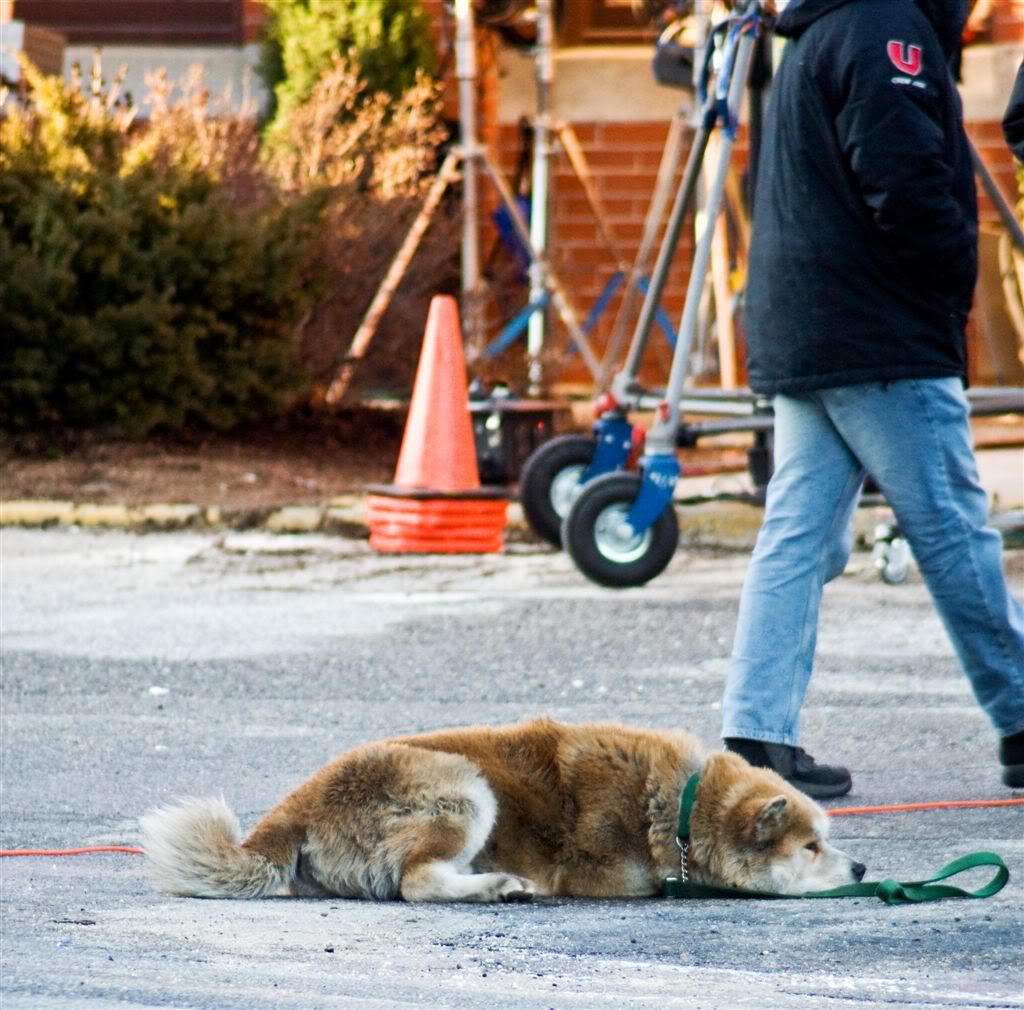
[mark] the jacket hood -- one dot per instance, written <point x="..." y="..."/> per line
<point x="948" y="18"/>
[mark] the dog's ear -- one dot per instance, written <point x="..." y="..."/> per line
<point x="769" y="817"/>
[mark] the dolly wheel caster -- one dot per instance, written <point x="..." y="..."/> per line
<point x="604" y="546"/>
<point x="891" y="555"/>
<point x="550" y="481"/>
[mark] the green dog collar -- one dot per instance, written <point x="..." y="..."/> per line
<point x="686" y="799"/>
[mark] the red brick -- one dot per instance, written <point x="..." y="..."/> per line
<point x="586" y="133"/>
<point x="573" y="232"/>
<point x="628" y="233"/>
<point x="254" y="16"/>
<point x="634" y="134"/>
<point x="621" y="183"/>
<point x="603" y="158"/>
<point x="619" y="209"/>
<point x="649" y="158"/>
<point x="987" y="132"/>
<point x="589" y="256"/>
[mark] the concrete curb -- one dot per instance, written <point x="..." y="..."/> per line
<point x="725" y="525"/>
<point x="339" y="515"/>
<point x="718" y="525"/>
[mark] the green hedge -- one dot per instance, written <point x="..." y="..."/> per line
<point x="135" y="291"/>
<point x="389" y="40"/>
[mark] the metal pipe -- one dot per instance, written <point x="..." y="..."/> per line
<point x="559" y="296"/>
<point x="671" y="156"/>
<point x="465" y="73"/>
<point x="659" y="276"/>
<point x="539" y="192"/>
<point x="662" y="435"/>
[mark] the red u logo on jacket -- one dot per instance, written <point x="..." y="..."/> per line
<point x="906" y="59"/>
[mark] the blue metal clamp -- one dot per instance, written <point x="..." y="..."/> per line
<point x="660" y="475"/>
<point x="614" y="436"/>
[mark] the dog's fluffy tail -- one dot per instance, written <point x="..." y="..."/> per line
<point x="195" y="849"/>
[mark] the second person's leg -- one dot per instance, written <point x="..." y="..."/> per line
<point x="915" y="438"/>
<point x="811" y="496"/>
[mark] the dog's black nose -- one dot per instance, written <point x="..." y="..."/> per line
<point x="858" y="870"/>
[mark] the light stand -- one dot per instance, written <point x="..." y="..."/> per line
<point x="470" y="155"/>
<point x="540" y="196"/>
<point x="465" y="74"/>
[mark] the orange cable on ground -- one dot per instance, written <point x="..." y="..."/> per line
<point x="72" y="852"/>
<point x="942" y="805"/>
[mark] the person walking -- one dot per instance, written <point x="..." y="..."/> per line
<point x="862" y="269"/>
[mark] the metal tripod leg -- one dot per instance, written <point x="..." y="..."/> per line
<point x="995" y="194"/>
<point x="624" y="387"/>
<point x="622" y="384"/>
<point x="400" y="263"/>
<point x="670" y="158"/>
<point x="559" y="298"/>
<point x="382" y="299"/>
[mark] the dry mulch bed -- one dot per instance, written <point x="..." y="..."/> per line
<point x="306" y="458"/>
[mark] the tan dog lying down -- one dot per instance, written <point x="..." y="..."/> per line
<point x="484" y="814"/>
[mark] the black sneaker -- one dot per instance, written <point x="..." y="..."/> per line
<point x="1011" y="754"/>
<point x="795" y="765"/>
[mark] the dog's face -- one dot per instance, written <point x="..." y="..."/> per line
<point x="797" y="854"/>
<point x="758" y="832"/>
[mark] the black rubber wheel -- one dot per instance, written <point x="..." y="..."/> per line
<point x="548" y="483"/>
<point x="592" y="534"/>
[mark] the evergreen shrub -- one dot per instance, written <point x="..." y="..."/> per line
<point x="174" y="273"/>
<point x="389" y="40"/>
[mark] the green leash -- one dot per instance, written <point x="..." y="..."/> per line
<point x="892" y="892"/>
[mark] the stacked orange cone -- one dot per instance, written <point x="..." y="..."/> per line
<point x="436" y="504"/>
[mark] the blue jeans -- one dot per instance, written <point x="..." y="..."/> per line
<point x="913" y="437"/>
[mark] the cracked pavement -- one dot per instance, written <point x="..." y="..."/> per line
<point x="138" y="668"/>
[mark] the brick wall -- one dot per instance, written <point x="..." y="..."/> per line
<point x="1006" y="26"/>
<point x="624" y="158"/>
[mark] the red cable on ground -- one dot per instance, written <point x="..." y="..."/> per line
<point x="944" y="805"/>
<point x="72" y="852"/>
<point x="836" y="812"/>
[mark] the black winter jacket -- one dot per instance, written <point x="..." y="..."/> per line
<point x="863" y="257"/>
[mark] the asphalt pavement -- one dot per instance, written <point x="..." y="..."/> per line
<point x="140" y="668"/>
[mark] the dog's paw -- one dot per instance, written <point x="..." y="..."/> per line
<point x="516" y="889"/>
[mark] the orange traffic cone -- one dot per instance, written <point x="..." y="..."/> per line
<point x="436" y="504"/>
